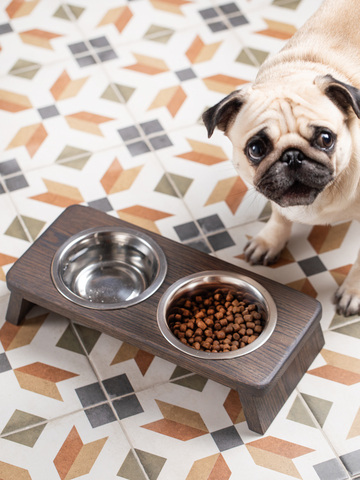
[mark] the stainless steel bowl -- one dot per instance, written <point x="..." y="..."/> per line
<point x="108" y="268"/>
<point x="210" y="280"/>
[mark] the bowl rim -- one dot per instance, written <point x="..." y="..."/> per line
<point x="78" y="237"/>
<point x="170" y="294"/>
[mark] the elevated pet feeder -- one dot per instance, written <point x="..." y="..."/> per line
<point x="85" y="255"/>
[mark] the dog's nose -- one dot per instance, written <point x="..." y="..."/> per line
<point x="293" y="158"/>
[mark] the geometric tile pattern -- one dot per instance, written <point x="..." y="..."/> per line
<point x="152" y="464"/>
<point x="339" y="368"/>
<point x="231" y="191"/>
<point x="210" y="468"/>
<point x="75" y="458"/>
<point x="276" y="29"/>
<point x="130" y="469"/>
<point x="41" y="378"/>
<point x="325" y="238"/>
<point x="233" y="407"/>
<point x="128" y="352"/>
<point x="16" y="336"/>
<point x="22" y="420"/>
<point x="227" y="438"/>
<point x="204" y="153"/>
<point x="31" y="137"/>
<point x="277" y="454"/>
<point x="9" y="471"/>
<point x="100" y="104"/>
<point x="59" y="194"/>
<point x="178" y="422"/>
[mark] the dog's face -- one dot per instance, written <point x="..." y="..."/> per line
<point x="290" y="141"/>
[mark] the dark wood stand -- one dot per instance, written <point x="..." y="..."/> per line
<point x="264" y="378"/>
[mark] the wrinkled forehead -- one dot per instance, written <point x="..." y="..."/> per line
<point x="283" y="109"/>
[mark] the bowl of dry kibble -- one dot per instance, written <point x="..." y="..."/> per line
<point x="216" y="315"/>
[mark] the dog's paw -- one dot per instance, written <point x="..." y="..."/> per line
<point x="260" y="252"/>
<point x="347" y="300"/>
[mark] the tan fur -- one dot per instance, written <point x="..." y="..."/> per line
<point x="289" y="98"/>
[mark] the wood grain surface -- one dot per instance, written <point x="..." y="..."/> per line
<point x="254" y="374"/>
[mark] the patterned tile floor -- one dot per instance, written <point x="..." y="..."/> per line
<point x="100" y="105"/>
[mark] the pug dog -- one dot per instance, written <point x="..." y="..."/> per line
<point x="296" y="134"/>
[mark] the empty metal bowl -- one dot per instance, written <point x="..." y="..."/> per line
<point x="108" y="268"/>
<point x="210" y="281"/>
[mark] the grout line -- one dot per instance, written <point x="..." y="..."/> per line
<point x="109" y="401"/>
<point x="312" y="416"/>
<point x="352" y="321"/>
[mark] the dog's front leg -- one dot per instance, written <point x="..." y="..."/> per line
<point x="347" y="296"/>
<point x="266" y="247"/>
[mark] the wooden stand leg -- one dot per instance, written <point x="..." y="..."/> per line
<point x="18" y="307"/>
<point x="261" y="411"/>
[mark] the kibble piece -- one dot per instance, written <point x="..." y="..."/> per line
<point x="201" y="324"/>
<point x="229" y="329"/>
<point x="220" y="334"/>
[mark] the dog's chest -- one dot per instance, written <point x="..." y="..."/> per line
<point x="311" y="215"/>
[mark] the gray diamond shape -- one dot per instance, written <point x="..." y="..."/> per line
<point x="90" y="394"/>
<point x="85" y="61"/>
<point x="138" y="148"/>
<point x="227" y="438"/>
<point x="78" y="48"/>
<point x="4" y="363"/>
<point x="127" y="406"/>
<point x="118" y="386"/>
<point x="162" y="141"/>
<point x="186" y="74"/>
<point x="5" y="28"/>
<point x="8" y="167"/>
<point x="47" y="112"/>
<point x="99" y="42"/>
<point x="15" y="183"/>
<point x="100" y="415"/>
<point x="107" y="55"/>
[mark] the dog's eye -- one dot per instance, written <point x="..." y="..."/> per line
<point x="325" y="140"/>
<point x="256" y="150"/>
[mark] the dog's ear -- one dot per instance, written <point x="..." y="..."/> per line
<point x="221" y="114"/>
<point x="342" y="94"/>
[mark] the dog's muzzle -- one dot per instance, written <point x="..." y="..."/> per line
<point x="294" y="179"/>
